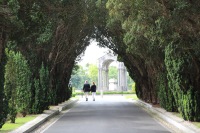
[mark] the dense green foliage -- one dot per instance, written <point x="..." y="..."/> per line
<point x="42" y="96"/>
<point x="166" y="97"/>
<point x="79" y="76"/>
<point x="3" y="36"/>
<point x="158" y="41"/>
<point x="93" y="73"/>
<point x="11" y="85"/>
<point x="180" y="66"/>
<point x="90" y="73"/>
<point x="82" y="73"/>
<point x="3" y="99"/>
<point x="17" y="84"/>
<point x="162" y="40"/>
<point x="113" y="72"/>
<point x="23" y="78"/>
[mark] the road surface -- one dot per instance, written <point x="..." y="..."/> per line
<point x="110" y="114"/>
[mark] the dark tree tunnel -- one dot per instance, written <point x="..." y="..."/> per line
<point x="158" y="41"/>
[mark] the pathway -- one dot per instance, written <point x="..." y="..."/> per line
<point x="110" y="114"/>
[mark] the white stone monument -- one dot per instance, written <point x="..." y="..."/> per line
<point x="103" y="68"/>
<point x="112" y="84"/>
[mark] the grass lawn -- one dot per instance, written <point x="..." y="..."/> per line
<point x="78" y="92"/>
<point x="7" y="127"/>
<point x="197" y="124"/>
<point x="132" y="96"/>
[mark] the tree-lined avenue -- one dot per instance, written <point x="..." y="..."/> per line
<point x="110" y="114"/>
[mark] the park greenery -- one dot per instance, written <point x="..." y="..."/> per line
<point x="9" y="127"/>
<point x="89" y="72"/>
<point x="41" y="42"/>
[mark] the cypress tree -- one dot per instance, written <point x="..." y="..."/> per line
<point x="11" y="84"/>
<point x="41" y="86"/>
<point x="44" y="82"/>
<point x="180" y="66"/>
<point x="23" y="88"/>
<point x="3" y="99"/>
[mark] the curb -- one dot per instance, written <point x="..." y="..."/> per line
<point x="179" y="123"/>
<point x="65" y="106"/>
<point x="30" y="126"/>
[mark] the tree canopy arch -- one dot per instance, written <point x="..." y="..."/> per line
<point x="157" y="40"/>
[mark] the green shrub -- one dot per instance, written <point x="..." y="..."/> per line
<point x="166" y="98"/>
<point x="41" y="85"/>
<point x="133" y="87"/>
<point x="17" y="84"/>
<point x="11" y="84"/>
<point x="37" y="106"/>
<point x="23" y="87"/>
<point x="12" y="114"/>
<point x="73" y="92"/>
<point x="44" y="83"/>
<point x="179" y="66"/>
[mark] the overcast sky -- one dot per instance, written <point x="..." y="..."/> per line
<point x="92" y="53"/>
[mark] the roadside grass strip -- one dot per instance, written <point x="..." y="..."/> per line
<point x="132" y="96"/>
<point x="7" y="127"/>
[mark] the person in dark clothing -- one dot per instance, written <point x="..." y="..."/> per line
<point x="86" y="89"/>
<point x="93" y="90"/>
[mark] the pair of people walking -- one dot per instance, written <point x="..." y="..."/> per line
<point x="87" y="89"/>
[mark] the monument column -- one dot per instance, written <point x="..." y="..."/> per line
<point x="106" y="79"/>
<point x="103" y="78"/>
<point x="119" y="77"/>
<point x="122" y="78"/>
<point x="126" y="84"/>
<point x="99" y="78"/>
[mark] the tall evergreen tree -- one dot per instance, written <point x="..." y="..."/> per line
<point x="17" y="84"/>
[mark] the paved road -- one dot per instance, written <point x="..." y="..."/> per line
<point x="110" y="114"/>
